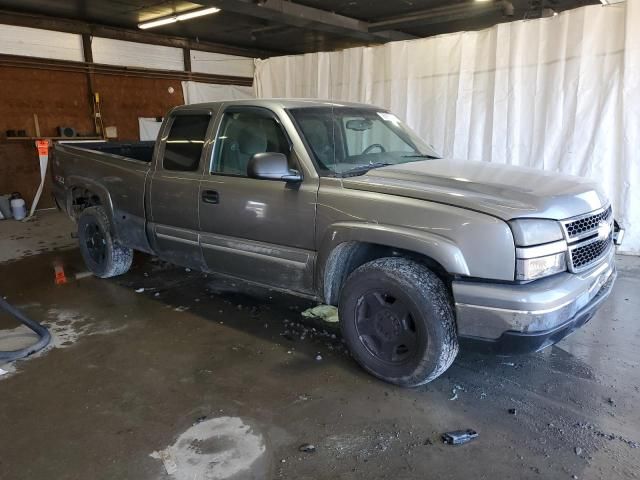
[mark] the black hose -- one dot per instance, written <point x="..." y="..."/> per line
<point x="42" y="332"/>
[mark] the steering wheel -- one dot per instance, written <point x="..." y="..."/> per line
<point x="372" y="146"/>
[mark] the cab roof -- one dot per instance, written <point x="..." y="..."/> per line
<point x="279" y="103"/>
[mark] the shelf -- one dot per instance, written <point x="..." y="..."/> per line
<point x="31" y="139"/>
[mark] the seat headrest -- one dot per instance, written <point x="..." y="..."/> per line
<point x="251" y="139"/>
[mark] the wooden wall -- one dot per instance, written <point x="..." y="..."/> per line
<point x="62" y="98"/>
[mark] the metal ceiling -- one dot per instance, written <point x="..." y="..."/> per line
<point x="283" y="27"/>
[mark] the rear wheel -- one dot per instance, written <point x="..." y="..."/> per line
<point x="102" y="254"/>
<point x="397" y="319"/>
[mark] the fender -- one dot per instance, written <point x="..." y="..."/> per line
<point x="76" y="181"/>
<point x="129" y="229"/>
<point x="436" y="247"/>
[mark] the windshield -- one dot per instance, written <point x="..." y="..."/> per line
<point x="351" y="141"/>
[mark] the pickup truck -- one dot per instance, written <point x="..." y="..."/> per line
<point x="344" y="204"/>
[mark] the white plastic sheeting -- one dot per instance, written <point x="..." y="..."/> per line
<point x="149" y="128"/>
<point x="33" y="42"/>
<point x="560" y="94"/>
<point x="133" y="54"/>
<point x="220" y="64"/>
<point x="197" y="92"/>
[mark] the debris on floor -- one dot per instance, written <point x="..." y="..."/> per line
<point x="168" y="462"/>
<point x="307" y="448"/>
<point x="59" y="275"/>
<point x="458" y="437"/>
<point x="81" y="275"/>
<point x="328" y="313"/>
<point x="454" y="392"/>
<point x="368" y="443"/>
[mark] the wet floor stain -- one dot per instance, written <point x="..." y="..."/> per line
<point x="219" y="448"/>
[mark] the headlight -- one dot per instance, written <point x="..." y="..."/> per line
<point x="533" y="231"/>
<point x="541" y="250"/>
<point x="532" y="268"/>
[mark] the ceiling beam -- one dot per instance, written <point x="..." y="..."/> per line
<point x="17" y="61"/>
<point x="83" y="28"/>
<point x="449" y="13"/>
<point x="301" y="16"/>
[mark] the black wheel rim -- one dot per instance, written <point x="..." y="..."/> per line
<point x="386" y="327"/>
<point x="95" y="242"/>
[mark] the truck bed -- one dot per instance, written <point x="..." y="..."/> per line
<point x="142" y="151"/>
<point x="115" y="174"/>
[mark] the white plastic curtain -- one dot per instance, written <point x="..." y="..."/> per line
<point x="561" y="94"/>
<point x="149" y="128"/>
<point x="198" y="92"/>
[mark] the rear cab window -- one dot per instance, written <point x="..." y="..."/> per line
<point x="185" y="142"/>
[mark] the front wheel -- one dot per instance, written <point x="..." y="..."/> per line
<point x="397" y="319"/>
<point x="102" y="253"/>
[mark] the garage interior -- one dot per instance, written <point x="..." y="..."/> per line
<point x="168" y="372"/>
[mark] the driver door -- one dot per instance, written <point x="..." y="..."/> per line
<point x="257" y="229"/>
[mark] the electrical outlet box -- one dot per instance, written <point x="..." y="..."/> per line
<point x="111" y="132"/>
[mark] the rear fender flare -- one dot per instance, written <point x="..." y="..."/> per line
<point x="94" y="187"/>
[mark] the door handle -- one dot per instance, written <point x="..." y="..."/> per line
<point x="210" y="196"/>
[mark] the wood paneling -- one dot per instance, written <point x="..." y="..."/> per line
<point x="63" y="98"/>
<point x="124" y="99"/>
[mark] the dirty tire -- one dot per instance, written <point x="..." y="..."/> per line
<point x="102" y="254"/>
<point x="397" y="318"/>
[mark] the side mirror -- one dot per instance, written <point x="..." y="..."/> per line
<point x="271" y="166"/>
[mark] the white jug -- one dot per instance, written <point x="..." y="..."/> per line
<point x="18" y="208"/>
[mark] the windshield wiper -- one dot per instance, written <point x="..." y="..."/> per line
<point x="432" y="157"/>
<point x="365" y="168"/>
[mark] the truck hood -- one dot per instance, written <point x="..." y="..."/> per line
<point x="504" y="191"/>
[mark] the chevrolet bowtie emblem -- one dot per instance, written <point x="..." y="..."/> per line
<point x="604" y="230"/>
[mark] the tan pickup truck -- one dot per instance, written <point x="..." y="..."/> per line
<point x="344" y="204"/>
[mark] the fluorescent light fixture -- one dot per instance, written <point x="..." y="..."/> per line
<point x="178" y="18"/>
<point x="197" y="13"/>
<point x="157" y="23"/>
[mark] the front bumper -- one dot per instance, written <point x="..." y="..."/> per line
<point x="510" y="319"/>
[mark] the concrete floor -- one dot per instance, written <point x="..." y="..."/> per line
<point x="196" y="375"/>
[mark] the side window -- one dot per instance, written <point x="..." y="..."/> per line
<point x="242" y="135"/>
<point x="184" y="144"/>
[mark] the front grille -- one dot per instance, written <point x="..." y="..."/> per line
<point x="586" y="246"/>
<point x="584" y="255"/>
<point x="587" y="224"/>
